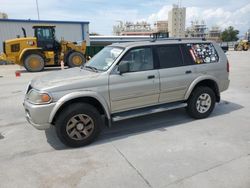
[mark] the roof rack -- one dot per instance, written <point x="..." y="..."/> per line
<point x="161" y="37"/>
<point x="164" y="36"/>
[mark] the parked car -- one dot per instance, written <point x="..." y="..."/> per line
<point x="127" y="80"/>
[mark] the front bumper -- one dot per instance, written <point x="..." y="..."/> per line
<point x="38" y="115"/>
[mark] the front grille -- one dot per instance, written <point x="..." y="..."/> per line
<point x="15" y="47"/>
<point x="4" y="51"/>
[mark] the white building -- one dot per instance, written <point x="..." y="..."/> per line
<point x="130" y="28"/>
<point x="3" y="15"/>
<point x="161" y="26"/>
<point x="198" y="29"/>
<point x="68" y="30"/>
<point x="177" y="21"/>
<point x="214" y="33"/>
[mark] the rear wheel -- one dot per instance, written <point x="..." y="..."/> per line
<point x="245" y="48"/>
<point x="76" y="59"/>
<point x="201" y="102"/>
<point x="78" y="125"/>
<point x="34" y="63"/>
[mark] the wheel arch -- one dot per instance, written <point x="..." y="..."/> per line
<point x="94" y="100"/>
<point x="28" y="51"/>
<point x="208" y="82"/>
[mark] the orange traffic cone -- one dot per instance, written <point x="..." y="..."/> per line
<point x="18" y="73"/>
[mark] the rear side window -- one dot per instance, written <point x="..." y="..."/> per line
<point x="187" y="58"/>
<point x="203" y="53"/>
<point x="169" y="56"/>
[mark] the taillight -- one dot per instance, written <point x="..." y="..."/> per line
<point x="31" y="43"/>
<point x="228" y="67"/>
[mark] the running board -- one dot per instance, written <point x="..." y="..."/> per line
<point x="147" y="110"/>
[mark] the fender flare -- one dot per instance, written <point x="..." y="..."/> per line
<point x="75" y="95"/>
<point x="27" y="50"/>
<point x="197" y="81"/>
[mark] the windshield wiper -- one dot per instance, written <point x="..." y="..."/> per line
<point x="92" y="68"/>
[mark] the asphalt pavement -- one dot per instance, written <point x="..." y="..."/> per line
<point x="165" y="150"/>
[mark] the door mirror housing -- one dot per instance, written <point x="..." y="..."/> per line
<point x="123" y="67"/>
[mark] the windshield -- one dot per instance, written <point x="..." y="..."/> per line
<point x="105" y="58"/>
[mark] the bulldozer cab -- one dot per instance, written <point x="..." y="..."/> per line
<point x="45" y="35"/>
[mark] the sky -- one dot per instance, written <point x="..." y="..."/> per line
<point x="103" y="14"/>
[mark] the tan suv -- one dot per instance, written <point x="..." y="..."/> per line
<point x="128" y="80"/>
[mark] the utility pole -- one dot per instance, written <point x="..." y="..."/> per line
<point x="37" y="8"/>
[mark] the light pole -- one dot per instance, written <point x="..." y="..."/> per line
<point x="37" y="8"/>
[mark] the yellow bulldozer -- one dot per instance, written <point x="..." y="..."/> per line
<point x="242" y="45"/>
<point x="34" y="53"/>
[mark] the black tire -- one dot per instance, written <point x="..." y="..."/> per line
<point x="63" y="123"/>
<point x="194" y="110"/>
<point x="34" y="63"/>
<point x="76" y="59"/>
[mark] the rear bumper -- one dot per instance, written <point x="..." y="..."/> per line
<point x="224" y="85"/>
<point x="38" y="115"/>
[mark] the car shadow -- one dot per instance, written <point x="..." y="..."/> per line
<point x="154" y="122"/>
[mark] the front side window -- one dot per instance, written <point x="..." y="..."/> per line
<point x="139" y="59"/>
<point x="105" y="58"/>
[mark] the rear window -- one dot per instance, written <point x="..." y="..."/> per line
<point x="203" y="53"/>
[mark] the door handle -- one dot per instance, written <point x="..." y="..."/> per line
<point x="188" y="72"/>
<point x="151" y="76"/>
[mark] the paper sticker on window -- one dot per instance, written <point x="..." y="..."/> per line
<point x="203" y="53"/>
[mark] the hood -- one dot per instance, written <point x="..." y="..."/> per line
<point x="63" y="78"/>
<point x="18" y="40"/>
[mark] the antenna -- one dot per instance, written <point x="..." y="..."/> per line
<point x="37" y="8"/>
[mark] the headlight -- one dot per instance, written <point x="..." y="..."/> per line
<point x="37" y="97"/>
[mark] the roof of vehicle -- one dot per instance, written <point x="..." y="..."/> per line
<point x="157" y="42"/>
<point x="43" y="26"/>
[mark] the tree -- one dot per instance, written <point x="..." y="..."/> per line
<point x="230" y="34"/>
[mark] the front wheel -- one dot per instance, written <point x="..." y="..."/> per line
<point x="201" y="102"/>
<point x="78" y="125"/>
<point x="76" y="59"/>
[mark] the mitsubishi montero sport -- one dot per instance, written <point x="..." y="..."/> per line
<point x="127" y="80"/>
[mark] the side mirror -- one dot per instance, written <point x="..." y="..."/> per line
<point x="123" y="67"/>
